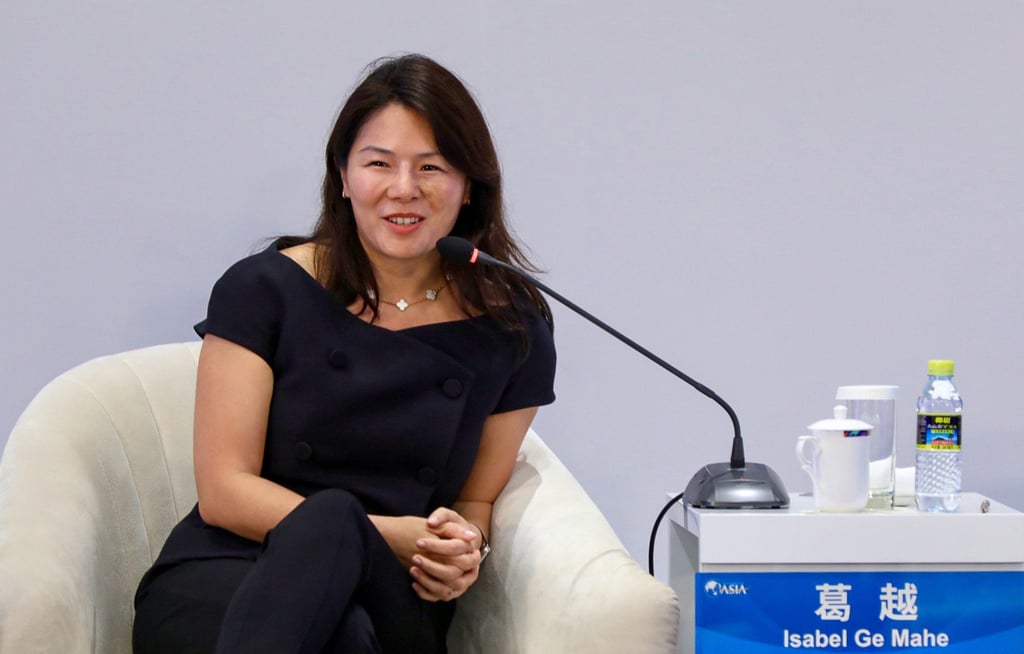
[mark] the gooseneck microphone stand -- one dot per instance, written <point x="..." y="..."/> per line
<point x="733" y="485"/>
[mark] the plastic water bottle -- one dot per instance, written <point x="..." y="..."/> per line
<point x="939" y="412"/>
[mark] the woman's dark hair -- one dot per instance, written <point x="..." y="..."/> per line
<point x="423" y="85"/>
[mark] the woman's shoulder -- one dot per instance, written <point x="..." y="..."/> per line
<point x="533" y="315"/>
<point x="256" y="291"/>
<point x="260" y="276"/>
<point x="268" y="264"/>
<point x="303" y="254"/>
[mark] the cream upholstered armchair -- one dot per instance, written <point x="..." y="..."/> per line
<point x="99" y="468"/>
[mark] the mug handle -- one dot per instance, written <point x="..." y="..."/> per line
<point x="807" y="463"/>
<point x="801" y="452"/>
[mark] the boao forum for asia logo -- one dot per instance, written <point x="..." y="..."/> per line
<point x="715" y="588"/>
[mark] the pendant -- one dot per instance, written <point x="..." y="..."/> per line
<point x="431" y="294"/>
<point x="402" y="304"/>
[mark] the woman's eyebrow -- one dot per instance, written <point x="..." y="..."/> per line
<point x="380" y="150"/>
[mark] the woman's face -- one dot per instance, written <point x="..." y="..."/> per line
<point x="404" y="194"/>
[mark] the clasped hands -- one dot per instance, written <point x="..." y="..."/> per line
<point x="444" y="560"/>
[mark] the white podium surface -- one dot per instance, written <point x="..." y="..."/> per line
<point x="984" y="535"/>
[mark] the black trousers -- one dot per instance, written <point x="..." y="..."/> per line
<point x="324" y="582"/>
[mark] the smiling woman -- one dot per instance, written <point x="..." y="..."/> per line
<point x="359" y="402"/>
<point x="405" y="195"/>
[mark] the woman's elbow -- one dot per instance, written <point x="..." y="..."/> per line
<point x="212" y="502"/>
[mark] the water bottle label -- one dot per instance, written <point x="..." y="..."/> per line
<point x="938" y="433"/>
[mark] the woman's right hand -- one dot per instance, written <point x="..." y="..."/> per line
<point x="401" y="534"/>
<point x="449" y="563"/>
<point x="443" y="562"/>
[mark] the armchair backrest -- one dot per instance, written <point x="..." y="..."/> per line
<point x="96" y="472"/>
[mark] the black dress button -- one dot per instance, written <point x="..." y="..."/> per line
<point x="452" y="388"/>
<point x="337" y="359"/>
<point x="426" y="476"/>
<point x="303" y="451"/>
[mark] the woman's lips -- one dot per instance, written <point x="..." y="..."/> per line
<point x="404" y="220"/>
<point x="404" y="223"/>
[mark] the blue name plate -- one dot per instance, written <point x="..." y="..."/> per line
<point x="949" y="612"/>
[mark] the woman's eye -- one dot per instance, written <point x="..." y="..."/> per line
<point x="378" y="164"/>
<point x="431" y="167"/>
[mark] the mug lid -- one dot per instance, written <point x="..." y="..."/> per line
<point x="867" y="392"/>
<point x="840" y="422"/>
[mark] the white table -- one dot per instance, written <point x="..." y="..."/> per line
<point x="984" y="535"/>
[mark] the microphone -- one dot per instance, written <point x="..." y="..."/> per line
<point x="733" y="485"/>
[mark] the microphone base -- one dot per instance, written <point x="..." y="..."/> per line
<point x="720" y="486"/>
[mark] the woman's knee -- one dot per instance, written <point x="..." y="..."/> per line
<point x="329" y="508"/>
<point x="333" y="502"/>
<point x="323" y="519"/>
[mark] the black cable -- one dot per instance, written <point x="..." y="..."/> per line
<point x="654" y="531"/>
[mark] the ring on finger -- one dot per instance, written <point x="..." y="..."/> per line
<point x="452" y="592"/>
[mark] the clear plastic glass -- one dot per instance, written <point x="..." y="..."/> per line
<point x="876" y="405"/>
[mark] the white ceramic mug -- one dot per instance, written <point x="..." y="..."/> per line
<point x="838" y="462"/>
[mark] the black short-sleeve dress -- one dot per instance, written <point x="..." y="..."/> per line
<point x="393" y="417"/>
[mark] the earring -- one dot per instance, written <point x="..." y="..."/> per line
<point x="344" y="194"/>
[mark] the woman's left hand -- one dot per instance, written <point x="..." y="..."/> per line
<point x="448" y="563"/>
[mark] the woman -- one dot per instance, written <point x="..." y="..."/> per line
<point x="359" y="402"/>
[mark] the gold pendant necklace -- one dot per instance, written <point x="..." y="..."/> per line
<point x="402" y="304"/>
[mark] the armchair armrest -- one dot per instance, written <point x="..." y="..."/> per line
<point x="559" y="579"/>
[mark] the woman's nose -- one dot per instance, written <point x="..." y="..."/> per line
<point x="404" y="185"/>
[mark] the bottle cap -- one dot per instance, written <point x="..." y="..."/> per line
<point x="940" y="367"/>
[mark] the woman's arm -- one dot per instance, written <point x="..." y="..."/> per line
<point x="502" y="437"/>
<point x="450" y="561"/>
<point x="233" y="390"/>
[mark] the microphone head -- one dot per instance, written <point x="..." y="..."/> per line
<point x="457" y="249"/>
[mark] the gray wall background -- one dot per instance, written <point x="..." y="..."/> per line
<point x="777" y="197"/>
